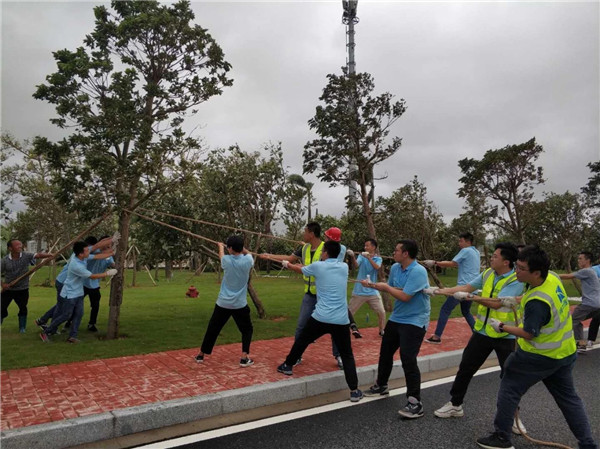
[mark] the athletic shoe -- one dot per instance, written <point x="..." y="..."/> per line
<point x="73" y="340"/>
<point x="92" y="328"/>
<point x="340" y="364"/>
<point x="381" y="333"/>
<point x="200" y="358"/>
<point x="298" y="362"/>
<point x="412" y="409"/>
<point x="356" y="396"/>
<point x="44" y="337"/>
<point x="581" y="349"/>
<point x="246" y="362"/>
<point x="377" y="390"/>
<point x="22" y="330"/>
<point x="285" y="369"/>
<point x="434" y="340"/>
<point x="521" y="426"/>
<point x="590" y="344"/>
<point x="494" y="441"/>
<point x="449" y="411"/>
<point x="355" y="332"/>
<point x="38" y="323"/>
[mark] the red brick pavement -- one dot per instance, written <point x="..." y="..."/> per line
<point x="52" y="393"/>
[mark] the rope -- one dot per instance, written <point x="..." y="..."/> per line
<point x="222" y="226"/>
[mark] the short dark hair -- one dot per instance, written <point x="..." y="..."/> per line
<point x="410" y="246"/>
<point x="467" y="236"/>
<point x="10" y="242"/>
<point x="536" y="259"/>
<point x="91" y="240"/>
<point x="509" y="252"/>
<point x="315" y="228"/>
<point x="588" y="255"/>
<point x="79" y="247"/>
<point x="236" y="243"/>
<point x="373" y="242"/>
<point x="333" y="248"/>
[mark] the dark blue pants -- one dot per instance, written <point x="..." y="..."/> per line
<point x="521" y="372"/>
<point x="447" y="308"/>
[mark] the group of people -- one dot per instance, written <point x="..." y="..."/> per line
<point x="91" y="260"/>
<point x="522" y="315"/>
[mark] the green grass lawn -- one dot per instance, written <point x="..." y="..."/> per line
<point x="161" y="318"/>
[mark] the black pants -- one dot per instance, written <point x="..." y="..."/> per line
<point x="340" y="334"/>
<point x="21" y="297"/>
<point x="218" y="319"/>
<point x="594" y="325"/>
<point x="408" y="339"/>
<point x="474" y="355"/>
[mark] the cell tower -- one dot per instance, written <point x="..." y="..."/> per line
<point x="349" y="19"/>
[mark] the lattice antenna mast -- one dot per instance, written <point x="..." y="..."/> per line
<point x="349" y="19"/>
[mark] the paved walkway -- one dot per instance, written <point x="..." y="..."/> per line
<point x="53" y="393"/>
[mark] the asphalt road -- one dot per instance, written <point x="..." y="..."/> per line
<point x="376" y="424"/>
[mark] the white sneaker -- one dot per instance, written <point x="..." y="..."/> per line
<point x="516" y="430"/>
<point x="590" y="344"/>
<point x="449" y="411"/>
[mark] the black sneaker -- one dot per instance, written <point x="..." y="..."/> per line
<point x="356" y="396"/>
<point x="39" y="323"/>
<point x="494" y="441"/>
<point x="285" y="369"/>
<point x="92" y="328"/>
<point x="581" y="349"/>
<point x="298" y="362"/>
<point x="246" y="362"/>
<point x="355" y="332"/>
<point x="200" y="358"/>
<point x="434" y="340"/>
<point x="412" y="410"/>
<point x="377" y="390"/>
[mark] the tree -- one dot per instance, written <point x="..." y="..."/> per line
<point x="125" y="95"/>
<point x="592" y="189"/>
<point x="508" y="176"/>
<point x="352" y="126"/>
<point x="307" y="186"/>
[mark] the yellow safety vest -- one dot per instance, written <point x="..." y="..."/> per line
<point x="309" y="282"/>
<point x="504" y="314"/>
<point x="556" y="338"/>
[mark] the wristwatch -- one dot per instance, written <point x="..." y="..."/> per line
<point x="501" y="327"/>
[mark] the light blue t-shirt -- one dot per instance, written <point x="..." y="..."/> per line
<point x="62" y="276"/>
<point x="331" y="280"/>
<point x="342" y="254"/>
<point x="468" y="261"/>
<point x="234" y="285"/>
<point x="76" y="274"/>
<point x="97" y="266"/>
<point x="597" y="270"/>
<point x="412" y="281"/>
<point x="512" y="289"/>
<point x="364" y="268"/>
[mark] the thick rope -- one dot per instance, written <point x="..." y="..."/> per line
<point x="222" y="226"/>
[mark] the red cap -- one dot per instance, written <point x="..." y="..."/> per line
<point x="334" y="234"/>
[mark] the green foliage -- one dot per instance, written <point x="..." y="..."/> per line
<point x="508" y="177"/>
<point x="592" y="189"/>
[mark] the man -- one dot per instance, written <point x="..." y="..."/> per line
<point x="70" y="301"/>
<point x="94" y="249"/>
<point x="15" y="264"/>
<point x="309" y="253"/>
<point x="590" y="296"/>
<point x="368" y="266"/>
<point x="498" y="281"/>
<point x="406" y="326"/>
<point x="232" y="301"/>
<point x="91" y="287"/>
<point x="546" y="352"/>
<point x="468" y="262"/>
<point x="330" y="315"/>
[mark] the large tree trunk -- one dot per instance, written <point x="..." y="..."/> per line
<point x="168" y="269"/>
<point x="367" y="209"/>
<point x="256" y="300"/>
<point x="117" y="284"/>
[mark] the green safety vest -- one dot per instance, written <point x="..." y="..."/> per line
<point x="309" y="281"/>
<point x="556" y="338"/>
<point x="503" y="314"/>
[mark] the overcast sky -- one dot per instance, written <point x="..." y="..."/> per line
<point x="475" y="76"/>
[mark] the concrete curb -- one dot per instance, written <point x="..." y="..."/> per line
<point x="118" y="423"/>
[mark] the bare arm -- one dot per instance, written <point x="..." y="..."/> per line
<point x="42" y="255"/>
<point x="447" y="264"/>
<point x="459" y="288"/>
<point x="397" y="293"/>
<point x="221" y="250"/>
<point x="292" y="258"/>
<point x="102" y="244"/>
<point x="295" y="267"/>
<point x="567" y="276"/>
<point x="518" y="331"/>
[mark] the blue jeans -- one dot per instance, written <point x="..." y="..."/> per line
<point x="50" y="313"/>
<point x="64" y="309"/>
<point x="446" y="310"/>
<point x="521" y="372"/>
<point x="307" y="307"/>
